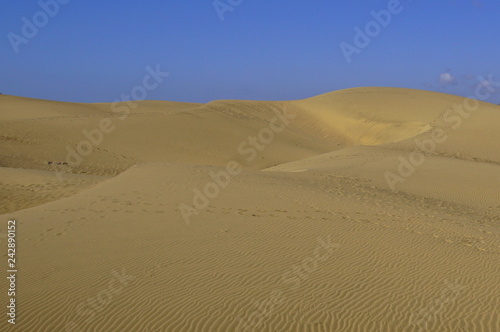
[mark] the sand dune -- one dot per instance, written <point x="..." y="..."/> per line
<point x="368" y="209"/>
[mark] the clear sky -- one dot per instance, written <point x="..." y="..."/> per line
<point x="94" y="51"/>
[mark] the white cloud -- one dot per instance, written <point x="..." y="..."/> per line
<point x="447" y="79"/>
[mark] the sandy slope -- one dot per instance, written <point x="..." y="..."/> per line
<point x="24" y="188"/>
<point x="309" y="236"/>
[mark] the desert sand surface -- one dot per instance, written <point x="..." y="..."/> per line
<point x="367" y="209"/>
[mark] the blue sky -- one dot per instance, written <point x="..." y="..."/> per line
<point x="94" y="51"/>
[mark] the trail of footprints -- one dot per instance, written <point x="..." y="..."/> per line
<point x="381" y="220"/>
<point x="382" y="217"/>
